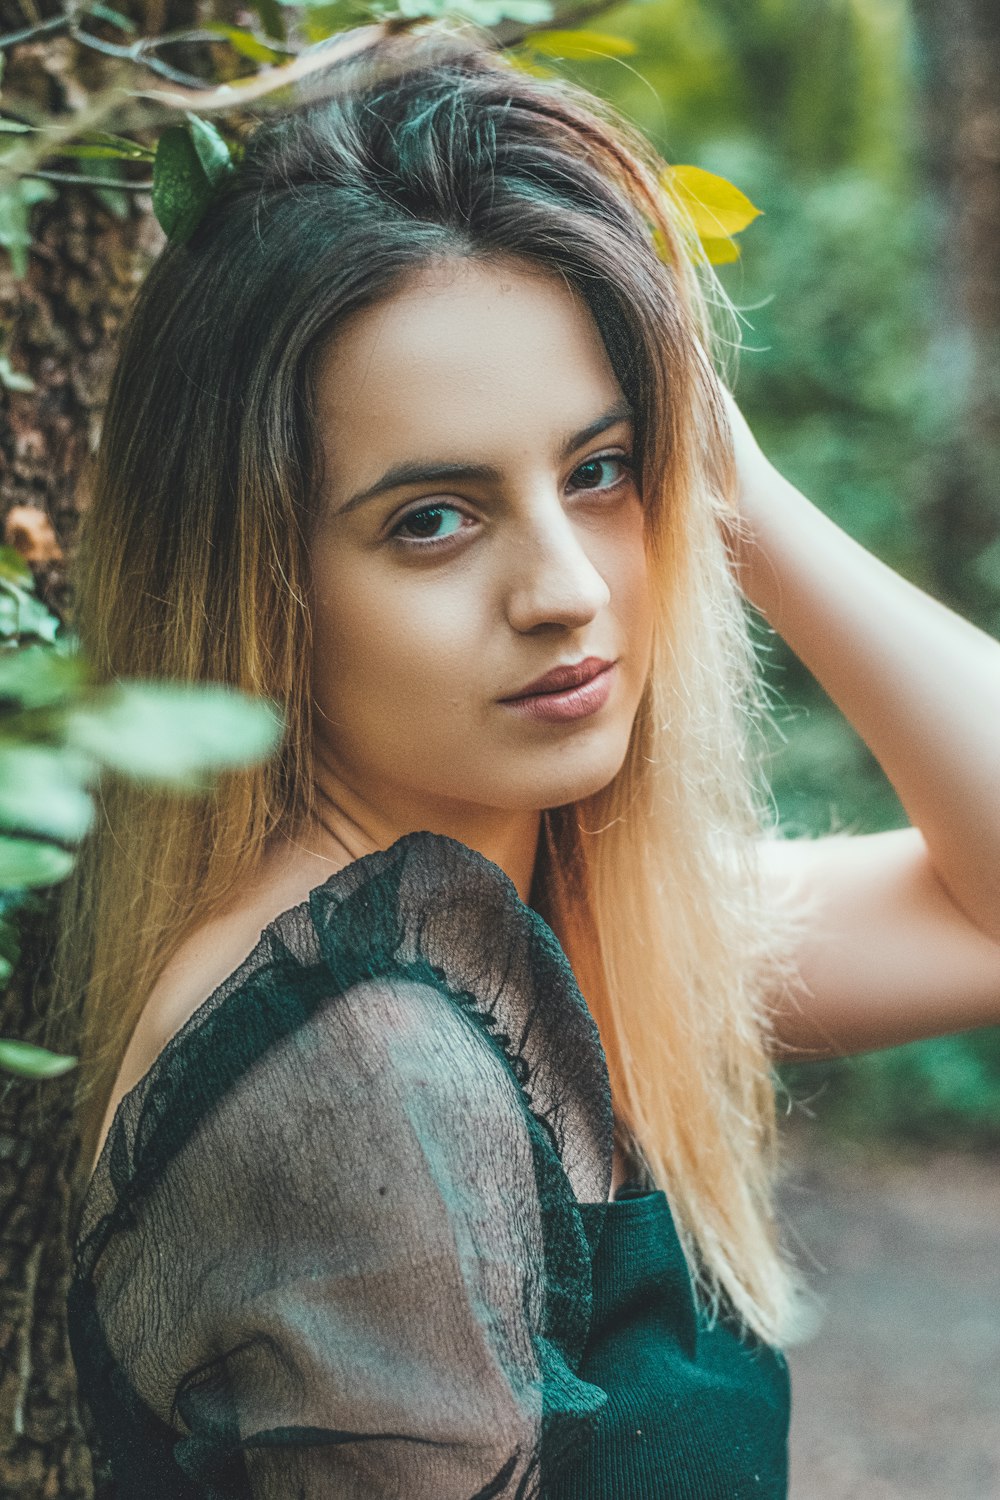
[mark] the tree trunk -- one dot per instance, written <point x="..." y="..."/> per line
<point x="61" y="323"/>
<point x="960" y="52"/>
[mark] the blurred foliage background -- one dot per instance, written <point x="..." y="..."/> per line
<point x="859" y="376"/>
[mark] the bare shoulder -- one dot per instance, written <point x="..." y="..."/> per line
<point x="205" y="958"/>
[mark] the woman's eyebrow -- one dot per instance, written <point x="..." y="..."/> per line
<point x="418" y="473"/>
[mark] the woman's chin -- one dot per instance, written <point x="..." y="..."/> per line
<point x="574" y="778"/>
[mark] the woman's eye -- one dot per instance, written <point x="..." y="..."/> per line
<point x="433" y="524"/>
<point x="594" y="466"/>
<point x="426" y="524"/>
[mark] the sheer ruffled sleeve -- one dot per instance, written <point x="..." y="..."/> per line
<point x="333" y="1246"/>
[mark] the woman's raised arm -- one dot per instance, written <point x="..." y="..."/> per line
<point x="904" y="935"/>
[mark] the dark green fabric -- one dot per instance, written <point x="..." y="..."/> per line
<point x="693" y="1412"/>
<point x="349" y="1236"/>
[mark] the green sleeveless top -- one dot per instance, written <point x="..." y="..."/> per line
<point x="349" y="1236"/>
<point x="694" y="1412"/>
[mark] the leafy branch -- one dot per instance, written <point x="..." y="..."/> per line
<point x="191" y="160"/>
<point x="103" y="128"/>
<point x="59" y="730"/>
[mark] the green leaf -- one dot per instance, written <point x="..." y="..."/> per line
<point x="30" y="863"/>
<point x="23" y="614"/>
<point x="213" y="151"/>
<point x="32" y="1062"/>
<point x="14" y="380"/>
<point x="323" y="19"/>
<point x="39" y="676"/>
<point x="103" y="143"/>
<point x="319" y="21"/>
<point x="581" y="44"/>
<point x="246" y="44"/>
<point x="14" y="569"/>
<point x="271" y="18"/>
<point x="181" y="191"/>
<point x="191" y="161"/>
<point x="717" y="208"/>
<point x="17" y="199"/>
<point x="92" y="144"/>
<point x="96" y="153"/>
<point x="42" y="791"/>
<point x="174" y="733"/>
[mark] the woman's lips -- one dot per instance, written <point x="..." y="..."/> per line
<point x="568" y="703"/>
<point x="559" y="679"/>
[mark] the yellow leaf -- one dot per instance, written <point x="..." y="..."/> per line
<point x="580" y="44"/>
<point x="719" y="252"/>
<point x="523" y="63"/>
<point x="717" y="208"/>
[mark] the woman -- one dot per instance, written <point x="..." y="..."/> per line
<point x="417" y="437"/>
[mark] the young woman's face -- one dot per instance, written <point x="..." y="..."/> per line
<point x="440" y="595"/>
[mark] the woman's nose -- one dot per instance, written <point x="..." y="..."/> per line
<point x="553" y="580"/>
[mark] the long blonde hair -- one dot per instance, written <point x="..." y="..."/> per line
<point x="194" y="566"/>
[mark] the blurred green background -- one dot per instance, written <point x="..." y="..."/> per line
<point x="859" y="376"/>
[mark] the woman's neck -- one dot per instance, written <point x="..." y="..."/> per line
<point x="347" y="827"/>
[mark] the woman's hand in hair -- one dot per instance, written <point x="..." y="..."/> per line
<point x="756" y="480"/>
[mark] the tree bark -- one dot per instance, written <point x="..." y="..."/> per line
<point x="960" y="55"/>
<point x="61" y="323"/>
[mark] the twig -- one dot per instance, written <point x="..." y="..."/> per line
<point x="136" y="51"/>
<point x="30" y="32"/>
<point x="31" y="150"/>
<point x="206" y="34"/>
<point x="233" y="95"/>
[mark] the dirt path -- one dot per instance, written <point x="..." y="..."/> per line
<point x="898" y="1395"/>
